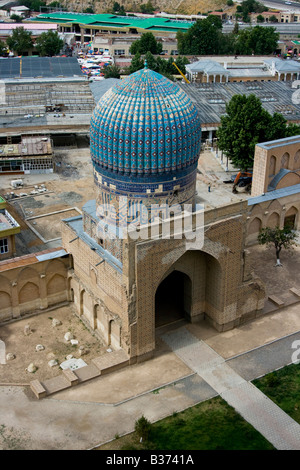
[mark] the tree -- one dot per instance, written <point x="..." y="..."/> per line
<point x="112" y="71"/>
<point x="3" y="48"/>
<point x="250" y="6"/>
<point x="277" y="238"/>
<point x="34" y="5"/>
<point x="49" y="43"/>
<point x="143" y="428"/>
<point x="257" y="40"/>
<point x="273" y="19"/>
<point x="20" y="41"/>
<point x="260" y="19"/>
<point x="147" y="8"/>
<point x="242" y="128"/>
<point x="147" y="43"/>
<point x="203" y="38"/>
<point x="245" y="124"/>
<point x="151" y="62"/>
<point x="136" y="64"/>
<point x="16" y="18"/>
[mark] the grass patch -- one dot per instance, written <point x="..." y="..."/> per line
<point x="283" y="388"/>
<point x="211" y="425"/>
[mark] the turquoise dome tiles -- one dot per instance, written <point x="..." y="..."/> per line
<point x="145" y="125"/>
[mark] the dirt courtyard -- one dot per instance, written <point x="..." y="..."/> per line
<point x="51" y="338"/>
<point x="278" y="281"/>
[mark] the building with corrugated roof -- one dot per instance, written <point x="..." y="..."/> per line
<point x="86" y="26"/>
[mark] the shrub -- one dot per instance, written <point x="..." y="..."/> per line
<point x="143" y="428"/>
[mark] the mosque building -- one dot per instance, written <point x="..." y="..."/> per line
<point x="145" y="139"/>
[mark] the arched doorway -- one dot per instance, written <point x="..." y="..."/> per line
<point x="290" y="218"/>
<point x="173" y="298"/>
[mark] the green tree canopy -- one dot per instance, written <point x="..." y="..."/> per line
<point x="250" y="6"/>
<point x="147" y="43"/>
<point x="16" y="18"/>
<point x="34" y="5"/>
<point x="158" y="64"/>
<point x="49" y="43"/>
<point x="273" y="19"/>
<point x="3" y="48"/>
<point x="203" y="38"/>
<point x="112" y="71"/>
<point x="147" y="7"/>
<point x="257" y="40"/>
<point x="136" y="64"/>
<point x="247" y="123"/>
<point x="20" y="41"/>
<point x="260" y="19"/>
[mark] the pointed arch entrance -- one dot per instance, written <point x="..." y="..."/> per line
<point x="173" y="298"/>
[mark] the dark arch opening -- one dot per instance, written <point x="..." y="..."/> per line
<point x="173" y="298"/>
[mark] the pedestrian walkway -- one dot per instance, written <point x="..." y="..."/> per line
<point x="263" y="414"/>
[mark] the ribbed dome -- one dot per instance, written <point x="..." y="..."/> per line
<point x="145" y="125"/>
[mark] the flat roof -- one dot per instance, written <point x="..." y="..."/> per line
<point x="276" y="194"/>
<point x="8" y="225"/>
<point x="295" y="139"/>
<point x="27" y="259"/>
<point x="27" y="27"/>
<point x="111" y="20"/>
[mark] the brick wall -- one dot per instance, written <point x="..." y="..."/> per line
<point x="28" y="287"/>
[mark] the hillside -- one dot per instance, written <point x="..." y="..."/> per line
<point x="183" y="7"/>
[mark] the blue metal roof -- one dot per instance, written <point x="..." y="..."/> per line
<point x="277" y="194"/>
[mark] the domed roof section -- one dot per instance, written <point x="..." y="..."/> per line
<point x="145" y="125"/>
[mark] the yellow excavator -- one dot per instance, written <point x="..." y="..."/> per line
<point x="181" y="73"/>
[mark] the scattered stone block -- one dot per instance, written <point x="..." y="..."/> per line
<point x="295" y="291"/>
<point x="68" y="336"/>
<point x="38" y="389"/>
<point x="52" y="363"/>
<point x="74" y="341"/>
<point x="39" y="347"/>
<point x="27" y="330"/>
<point x="82" y="351"/>
<point x="10" y="356"/>
<point x="71" y="377"/>
<point x="56" y="322"/>
<point x="276" y="300"/>
<point x="31" y="368"/>
<point x="2" y="352"/>
<point x="69" y="356"/>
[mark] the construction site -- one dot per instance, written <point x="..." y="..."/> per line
<point x="46" y="176"/>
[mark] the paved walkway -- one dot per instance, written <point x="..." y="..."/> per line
<point x="263" y="414"/>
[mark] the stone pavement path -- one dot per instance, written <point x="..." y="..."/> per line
<point x="263" y="414"/>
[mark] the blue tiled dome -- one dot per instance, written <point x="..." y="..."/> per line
<point x="145" y="125"/>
